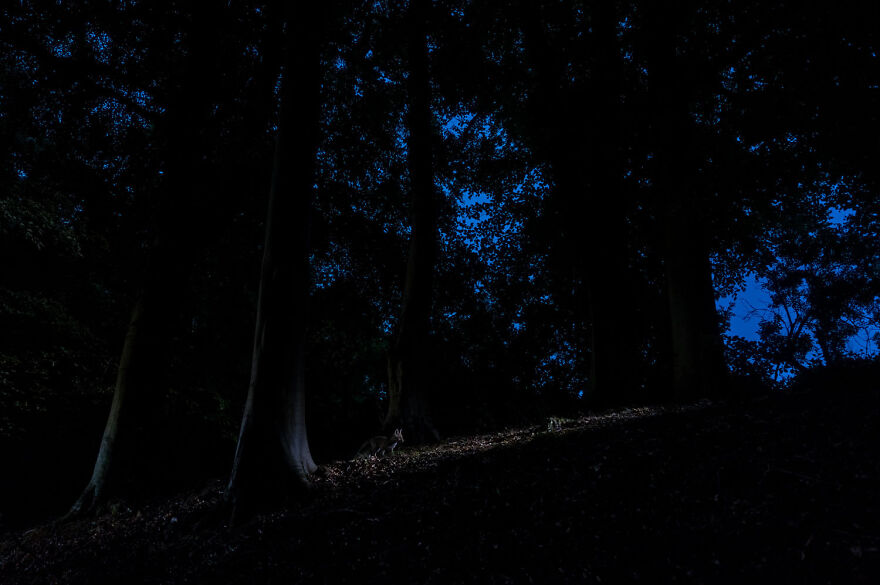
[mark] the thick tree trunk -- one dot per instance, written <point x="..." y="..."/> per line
<point x="698" y="361"/>
<point x="410" y="368"/>
<point x="272" y="459"/>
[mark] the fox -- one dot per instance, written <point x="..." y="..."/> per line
<point x="381" y="445"/>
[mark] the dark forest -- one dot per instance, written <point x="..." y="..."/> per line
<point x="439" y="291"/>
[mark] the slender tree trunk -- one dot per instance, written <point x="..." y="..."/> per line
<point x="96" y="490"/>
<point x="698" y="360"/>
<point x="409" y="365"/>
<point x="145" y="350"/>
<point x="272" y="459"/>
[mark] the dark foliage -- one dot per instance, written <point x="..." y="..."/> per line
<point x="594" y="178"/>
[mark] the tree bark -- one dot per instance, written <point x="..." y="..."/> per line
<point x="409" y="365"/>
<point x="156" y="310"/>
<point x="272" y="459"/>
<point x="698" y="360"/>
<point x="699" y="368"/>
<point x="95" y="491"/>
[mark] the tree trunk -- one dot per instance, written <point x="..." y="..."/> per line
<point x="96" y="490"/>
<point x="155" y="314"/>
<point x="698" y="359"/>
<point x="272" y="458"/>
<point x="410" y="374"/>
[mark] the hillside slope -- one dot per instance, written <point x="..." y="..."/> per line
<point x="778" y="490"/>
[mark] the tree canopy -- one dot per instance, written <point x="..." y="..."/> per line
<point x="513" y="209"/>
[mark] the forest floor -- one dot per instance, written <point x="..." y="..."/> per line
<point x="782" y="489"/>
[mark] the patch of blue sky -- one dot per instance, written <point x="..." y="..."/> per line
<point x="534" y="182"/>
<point x="838" y="216"/>
<point x="456" y="125"/>
<point x="753" y="303"/>
<point x="727" y="78"/>
<point x="557" y="368"/>
<point x="27" y="64"/>
<point x="140" y="97"/>
<point x="747" y="306"/>
<point x="469" y="220"/>
<point x="384" y="77"/>
<point x="470" y="199"/>
<point x="121" y="117"/>
<point x="864" y="342"/>
<point x="480" y="128"/>
<point x="101" y="45"/>
<point x="330" y="267"/>
<point x="62" y="48"/>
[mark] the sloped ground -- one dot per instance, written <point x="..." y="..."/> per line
<point x="781" y="490"/>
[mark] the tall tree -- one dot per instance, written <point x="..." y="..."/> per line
<point x="698" y="361"/>
<point x="144" y="353"/>
<point x="272" y="459"/>
<point x="410" y="374"/>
